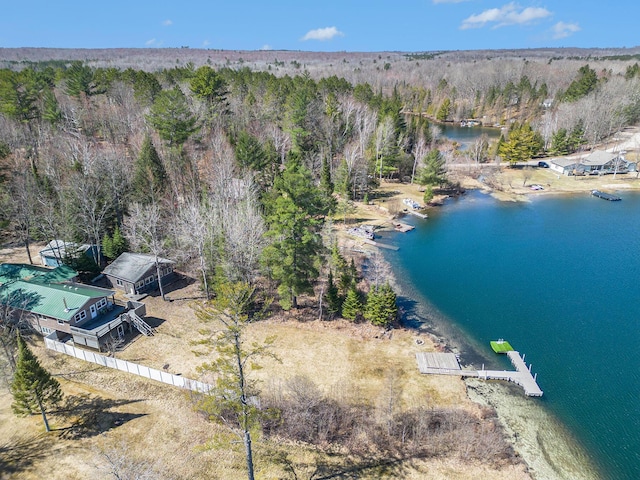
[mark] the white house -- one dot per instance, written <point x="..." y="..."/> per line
<point x="598" y="162"/>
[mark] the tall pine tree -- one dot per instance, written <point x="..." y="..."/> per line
<point x="33" y="388"/>
<point x="149" y="175"/>
<point x="352" y="306"/>
<point x="294" y="211"/>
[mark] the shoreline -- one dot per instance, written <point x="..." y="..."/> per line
<point x="546" y="446"/>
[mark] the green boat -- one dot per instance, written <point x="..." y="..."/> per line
<point x="501" y="346"/>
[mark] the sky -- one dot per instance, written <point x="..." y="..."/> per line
<point x="321" y="25"/>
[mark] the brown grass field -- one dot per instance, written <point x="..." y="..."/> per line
<point x="113" y="421"/>
<point x="116" y="422"/>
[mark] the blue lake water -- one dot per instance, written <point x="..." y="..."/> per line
<point x="559" y="278"/>
<point x="467" y="135"/>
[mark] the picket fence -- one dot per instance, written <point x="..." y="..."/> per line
<point x="129" y="367"/>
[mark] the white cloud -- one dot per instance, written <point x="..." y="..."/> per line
<point x="564" y="30"/>
<point x="323" y="34"/>
<point x="509" y="14"/>
<point x="266" y="46"/>
<point x="449" y="1"/>
<point x="206" y="43"/>
<point x="167" y="23"/>
<point x="150" y="42"/>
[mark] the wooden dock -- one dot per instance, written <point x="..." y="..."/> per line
<point x="381" y="245"/>
<point x="417" y="214"/>
<point x="605" y="196"/>
<point x="447" y="364"/>
<point x="402" y="227"/>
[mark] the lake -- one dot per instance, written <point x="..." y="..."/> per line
<point x="466" y="135"/>
<point x="558" y="278"/>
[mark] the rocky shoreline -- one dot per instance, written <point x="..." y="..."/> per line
<point x="547" y="448"/>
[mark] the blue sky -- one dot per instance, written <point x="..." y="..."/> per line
<point x="321" y="25"/>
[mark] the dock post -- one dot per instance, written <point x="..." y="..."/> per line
<point x="535" y="377"/>
<point x="530" y="367"/>
<point x="523" y="355"/>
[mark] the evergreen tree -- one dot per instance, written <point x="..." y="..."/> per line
<point x="444" y="111"/>
<point x="560" y="143"/>
<point x="326" y="185"/>
<point x="149" y="175"/>
<point x="33" y="388"/>
<point x="352" y="306"/>
<point x="171" y="116"/>
<point x="115" y="245"/>
<point x="583" y="85"/>
<point x="522" y="143"/>
<point x="576" y="137"/>
<point x="343" y="183"/>
<point x="334" y="302"/>
<point x="433" y="173"/>
<point x="249" y="152"/>
<point x="381" y="308"/>
<point x="294" y="210"/>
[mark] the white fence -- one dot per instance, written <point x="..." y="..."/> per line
<point x="124" y="366"/>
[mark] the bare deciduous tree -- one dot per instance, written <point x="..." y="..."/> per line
<point x="145" y="228"/>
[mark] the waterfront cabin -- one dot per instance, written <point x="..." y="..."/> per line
<point x="598" y="162"/>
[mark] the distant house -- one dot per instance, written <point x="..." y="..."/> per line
<point x="597" y="163"/>
<point x="54" y="254"/>
<point x="136" y="273"/>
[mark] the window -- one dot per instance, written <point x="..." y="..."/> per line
<point x="148" y="280"/>
<point x="60" y="322"/>
<point x="78" y="317"/>
<point x="102" y="303"/>
<point x="119" y="282"/>
<point x="139" y="284"/>
<point x="46" y="330"/>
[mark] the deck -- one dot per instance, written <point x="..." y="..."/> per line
<point x="402" y="227"/>
<point x="447" y="364"/>
<point x="605" y="196"/>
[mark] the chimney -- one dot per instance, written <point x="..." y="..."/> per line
<point x="64" y="300"/>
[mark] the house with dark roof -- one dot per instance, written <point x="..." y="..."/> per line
<point x="55" y="305"/>
<point x="136" y="273"/>
<point x="598" y="162"/>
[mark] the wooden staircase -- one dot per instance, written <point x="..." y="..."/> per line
<point x="142" y="326"/>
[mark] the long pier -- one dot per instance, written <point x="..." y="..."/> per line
<point x="447" y="364"/>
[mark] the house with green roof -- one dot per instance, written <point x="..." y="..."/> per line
<point x="54" y="304"/>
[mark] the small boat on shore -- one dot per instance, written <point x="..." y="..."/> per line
<point x="363" y="231"/>
<point x="411" y="203"/>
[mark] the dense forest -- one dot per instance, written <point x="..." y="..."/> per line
<point x="235" y="165"/>
<point x="231" y="166"/>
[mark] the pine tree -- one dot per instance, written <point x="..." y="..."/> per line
<point x="115" y="245"/>
<point x="149" y="175"/>
<point x="433" y="173"/>
<point x="332" y="297"/>
<point x="326" y="185"/>
<point x="33" y="388"/>
<point x="172" y="118"/>
<point x="381" y="308"/>
<point x="352" y="306"/>
<point x="294" y="213"/>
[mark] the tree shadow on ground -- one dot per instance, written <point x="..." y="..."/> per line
<point x="88" y="415"/>
<point x="20" y="453"/>
<point x="337" y="467"/>
<point x="175" y="286"/>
